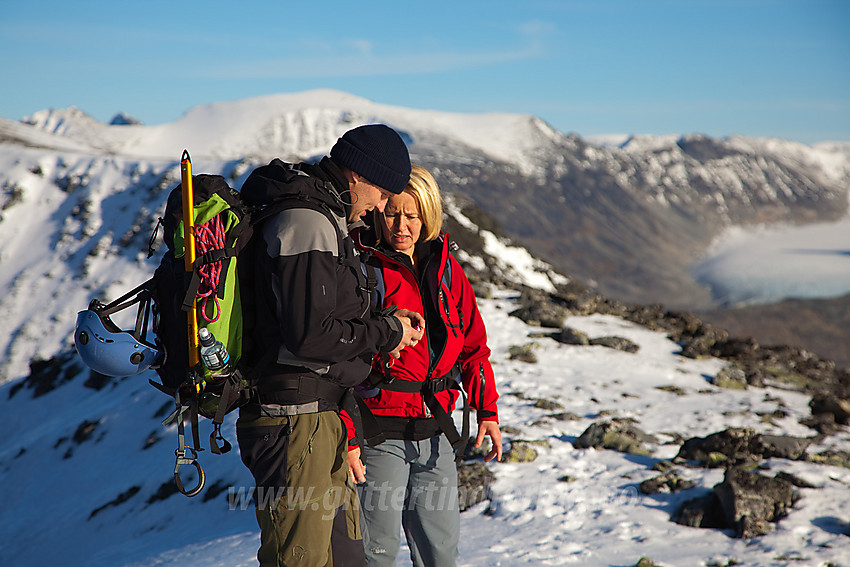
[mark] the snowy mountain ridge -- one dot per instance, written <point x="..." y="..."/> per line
<point x="79" y="193"/>
<point x="296" y="126"/>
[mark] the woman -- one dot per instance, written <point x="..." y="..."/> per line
<point x="411" y="477"/>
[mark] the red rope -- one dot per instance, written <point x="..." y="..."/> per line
<point x="209" y="236"/>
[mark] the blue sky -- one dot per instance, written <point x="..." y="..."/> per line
<point x="776" y="68"/>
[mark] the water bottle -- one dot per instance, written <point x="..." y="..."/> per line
<point x="213" y="354"/>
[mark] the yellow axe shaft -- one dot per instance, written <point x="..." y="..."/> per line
<point x="189" y="250"/>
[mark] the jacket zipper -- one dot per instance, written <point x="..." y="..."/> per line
<point x="481" y="384"/>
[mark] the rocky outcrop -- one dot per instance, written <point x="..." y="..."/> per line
<point x="745" y="502"/>
<point x="473" y="484"/>
<point x="617" y="434"/>
<point x="749" y="363"/>
<point x="739" y="446"/>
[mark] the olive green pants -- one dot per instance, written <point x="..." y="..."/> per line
<point x="307" y="508"/>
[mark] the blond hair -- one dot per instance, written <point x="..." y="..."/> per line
<point x="424" y="189"/>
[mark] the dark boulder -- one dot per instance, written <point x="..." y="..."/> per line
<point x="740" y="446"/>
<point x="569" y="336"/>
<point x="703" y="512"/>
<point x="750" y="502"/>
<point x="473" y="484"/>
<point x="744" y="502"/>
<point x="617" y="343"/>
<point x="617" y="435"/>
<point x="668" y="482"/>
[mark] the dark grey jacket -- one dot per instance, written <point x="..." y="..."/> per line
<point x="312" y="312"/>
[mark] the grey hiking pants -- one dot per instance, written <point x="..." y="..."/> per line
<point x="410" y="484"/>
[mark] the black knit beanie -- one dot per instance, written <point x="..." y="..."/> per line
<point x="376" y="152"/>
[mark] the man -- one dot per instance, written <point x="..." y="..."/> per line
<point x="313" y="339"/>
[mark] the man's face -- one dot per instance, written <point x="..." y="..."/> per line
<point x="367" y="196"/>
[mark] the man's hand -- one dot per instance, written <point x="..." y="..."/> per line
<point x="413" y="325"/>
<point x="491" y="429"/>
<point x="355" y="466"/>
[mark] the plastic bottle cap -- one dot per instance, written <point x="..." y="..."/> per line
<point x="205" y="336"/>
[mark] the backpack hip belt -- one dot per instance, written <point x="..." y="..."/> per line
<point x="429" y="389"/>
<point x="292" y="389"/>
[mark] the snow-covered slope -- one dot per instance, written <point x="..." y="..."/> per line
<point x="98" y="465"/>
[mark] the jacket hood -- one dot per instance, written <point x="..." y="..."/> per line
<point x="278" y="179"/>
<point x="365" y="238"/>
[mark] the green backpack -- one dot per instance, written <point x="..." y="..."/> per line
<point x="222" y="229"/>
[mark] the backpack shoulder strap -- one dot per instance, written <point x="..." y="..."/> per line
<point x="375" y="286"/>
<point x="302" y="200"/>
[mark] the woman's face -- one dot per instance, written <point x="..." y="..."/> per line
<point x="401" y="223"/>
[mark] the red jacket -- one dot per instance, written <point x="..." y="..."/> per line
<point x="455" y="332"/>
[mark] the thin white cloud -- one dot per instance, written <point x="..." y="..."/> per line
<point x="362" y="57"/>
<point x="363" y="46"/>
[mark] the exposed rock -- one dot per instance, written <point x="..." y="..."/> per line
<point x="795" y="480"/>
<point x="473" y="484"/>
<point x="523" y="353"/>
<point x="702" y="342"/>
<point x="783" y="446"/>
<point x="520" y="452"/>
<point x="165" y="491"/>
<point x="828" y="403"/>
<point x="569" y="336"/>
<point x="47" y="375"/>
<point x="663" y="466"/>
<point x="98" y="381"/>
<point x="832" y="458"/>
<point x="751" y="501"/>
<point x="617" y="435"/>
<point x="718" y="449"/>
<point x="123" y="119"/>
<point x="617" y="343"/>
<point x="666" y="483"/>
<point x="510" y="430"/>
<point x="731" y="377"/>
<point x="482" y="290"/>
<point x="120" y="499"/>
<point x="736" y="348"/>
<point x="649" y="316"/>
<point x="744" y="501"/>
<point x="702" y="512"/>
<point x="549" y="405"/>
<point x="540" y="312"/>
<point x="565" y="416"/>
<point x="823" y="423"/>
<point x="673" y="389"/>
<point x="579" y="300"/>
<point x="85" y="431"/>
<point x="737" y="446"/>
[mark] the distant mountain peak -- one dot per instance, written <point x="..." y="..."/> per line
<point x="58" y="120"/>
<point x="124" y="119"/>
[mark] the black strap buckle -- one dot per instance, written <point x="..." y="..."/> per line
<point x="435" y="385"/>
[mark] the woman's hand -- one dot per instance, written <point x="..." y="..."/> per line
<point x="490" y="429"/>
